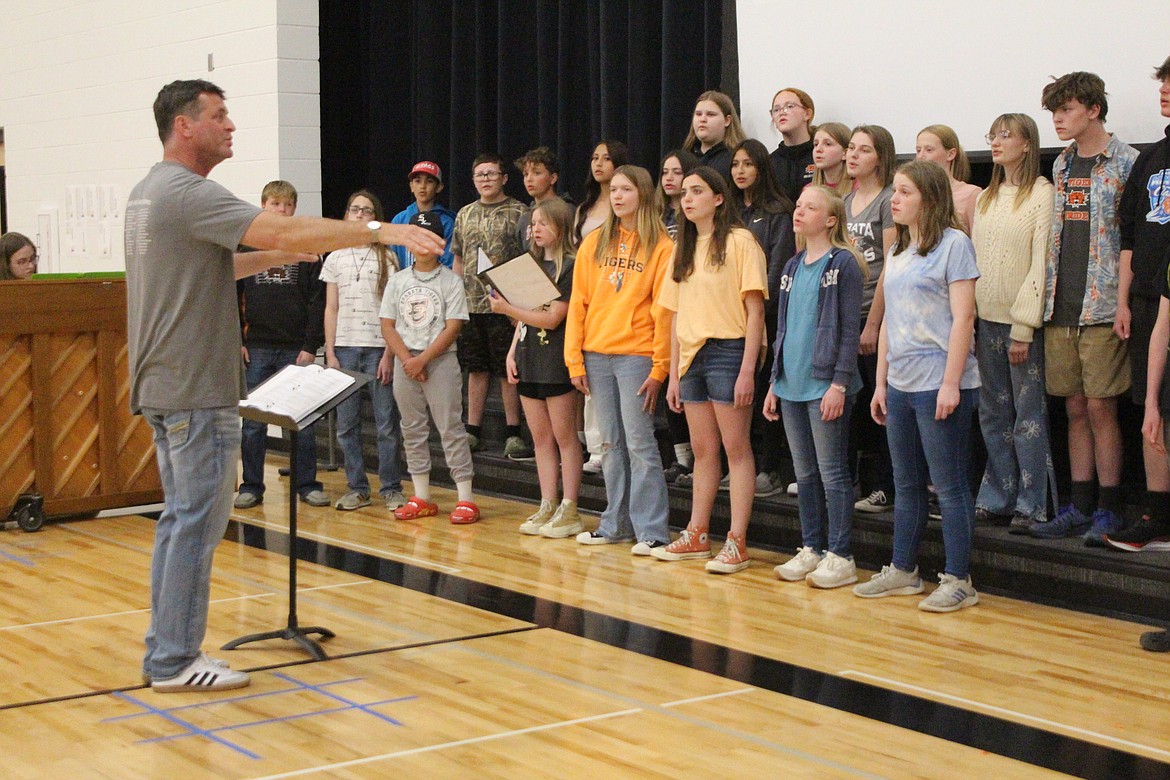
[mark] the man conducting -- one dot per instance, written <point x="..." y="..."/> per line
<point x="186" y="375"/>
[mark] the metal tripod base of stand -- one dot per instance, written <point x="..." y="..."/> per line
<point x="295" y="633"/>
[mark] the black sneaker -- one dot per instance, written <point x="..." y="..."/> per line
<point x="1146" y="534"/>
<point x="984" y="516"/>
<point x="1156" y="641"/>
<point x="674" y="471"/>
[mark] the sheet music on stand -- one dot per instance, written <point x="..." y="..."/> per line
<point x="295" y="392"/>
<point x="522" y="282"/>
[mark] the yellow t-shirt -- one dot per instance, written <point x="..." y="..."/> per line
<point x="709" y="302"/>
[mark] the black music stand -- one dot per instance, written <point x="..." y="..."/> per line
<point x="294" y="631"/>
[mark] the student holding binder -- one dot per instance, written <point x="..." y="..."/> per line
<point x="536" y="365"/>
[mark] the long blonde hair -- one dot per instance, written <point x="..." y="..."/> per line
<point x="838" y="234"/>
<point x="1025" y="126"/>
<point x="842" y="135"/>
<point x="648" y="222"/>
<point x="560" y="214"/>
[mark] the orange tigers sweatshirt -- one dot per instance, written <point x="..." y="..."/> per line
<point x="613" y="309"/>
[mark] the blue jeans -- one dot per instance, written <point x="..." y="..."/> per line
<point x="197" y="451"/>
<point x="635" y="489"/>
<point x="1013" y="415"/>
<point x="713" y="372"/>
<point x="349" y="424"/>
<point x="263" y="362"/>
<point x="820" y="456"/>
<point x="929" y="451"/>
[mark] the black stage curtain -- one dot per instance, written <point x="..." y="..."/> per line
<point x="445" y="80"/>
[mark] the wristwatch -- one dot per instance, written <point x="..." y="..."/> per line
<point x="374" y="226"/>
<point x="841" y="388"/>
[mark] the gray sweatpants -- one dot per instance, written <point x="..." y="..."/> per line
<point x="442" y="394"/>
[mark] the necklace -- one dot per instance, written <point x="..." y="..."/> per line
<point x="359" y="266"/>
<point x="430" y="278"/>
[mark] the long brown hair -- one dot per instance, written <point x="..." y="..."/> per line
<point x="1024" y="126"/>
<point x="883" y="144"/>
<point x="386" y="258"/>
<point x="937" y="212"/>
<point x="619" y="155"/>
<point x="764" y="193"/>
<point x="10" y="244"/>
<point x="648" y="222"/>
<point x="725" y="219"/>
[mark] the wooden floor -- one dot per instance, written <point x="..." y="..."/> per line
<point x="430" y="685"/>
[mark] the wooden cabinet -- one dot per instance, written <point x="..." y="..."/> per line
<point x="66" y="430"/>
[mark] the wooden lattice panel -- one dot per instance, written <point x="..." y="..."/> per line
<point x="74" y="380"/>
<point x="134" y="439"/>
<point x="17" y="466"/>
<point x="65" y="426"/>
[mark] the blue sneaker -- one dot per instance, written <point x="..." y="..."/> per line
<point x="1068" y="522"/>
<point x="1104" y="524"/>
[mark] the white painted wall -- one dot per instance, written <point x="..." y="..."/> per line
<point x="77" y="80"/>
<point x="906" y="64"/>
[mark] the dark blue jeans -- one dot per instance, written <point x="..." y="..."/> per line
<point x="929" y="451"/>
<point x="262" y="363"/>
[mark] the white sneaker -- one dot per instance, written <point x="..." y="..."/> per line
<point x="890" y="581"/>
<point x="216" y="661"/>
<point x="593" y="465"/>
<point x="565" y="521"/>
<point x="793" y="489"/>
<point x="799" y="566"/>
<point x="833" y="572"/>
<point x="203" y="674"/>
<point x="532" y="525"/>
<point x="952" y="594"/>
<point x="646" y="548"/>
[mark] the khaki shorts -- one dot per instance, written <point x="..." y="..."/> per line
<point x="1090" y="361"/>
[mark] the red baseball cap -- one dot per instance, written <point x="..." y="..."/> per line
<point x="427" y="167"/>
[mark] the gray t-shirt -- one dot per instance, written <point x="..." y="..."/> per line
<point x="183" y="321"/>
<point x="421" y="302"/>
<point x="1074" y="244"/>
<point x="866" y="230"/>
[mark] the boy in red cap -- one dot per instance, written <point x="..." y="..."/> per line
<point x="426" y="182"/>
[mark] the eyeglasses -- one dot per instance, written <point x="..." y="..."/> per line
<point x="1003" y="135"/>
<point x="356" y="210"/>
<point x="784" y="109"/>
<point x="27" y="261"/>
<point x="488" y="176"/>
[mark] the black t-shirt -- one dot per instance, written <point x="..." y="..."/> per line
<point x="1074" y="244"/>
<point x="540" y="353"/>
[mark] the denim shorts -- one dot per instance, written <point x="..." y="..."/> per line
<point x="712" y="373"/>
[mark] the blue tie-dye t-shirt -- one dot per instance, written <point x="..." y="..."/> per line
<point x="918" y="313"/>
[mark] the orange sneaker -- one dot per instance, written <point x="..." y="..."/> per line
<point x="465" y="512"/>
<point x="732" y="558"/>
<point x="689" y="544"/>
